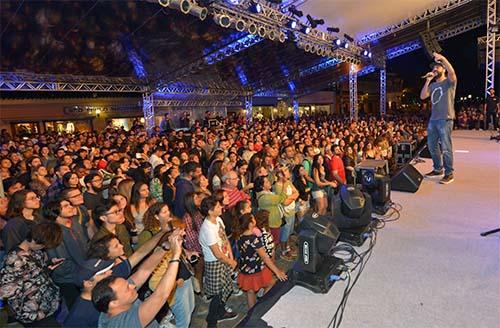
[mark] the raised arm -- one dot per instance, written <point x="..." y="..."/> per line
<point x="145" y="249"/>
<point x="451" y="71"/>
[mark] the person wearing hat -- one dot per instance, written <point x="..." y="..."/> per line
<point x="440" y="85"/>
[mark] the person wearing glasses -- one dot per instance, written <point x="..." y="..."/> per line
<point x="109" y="218"/>
<point x="22" y="216"/>
<point x="93" y="196"/>
<point x="75" y="197"/>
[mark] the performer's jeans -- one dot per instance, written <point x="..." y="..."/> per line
<point x="183" y="306"/>
<point x="440" y="131"/>
<point x="491" y="117"/>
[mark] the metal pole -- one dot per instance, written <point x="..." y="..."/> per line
<point x="353" y="93"/>
<point x="383" y="92"/>
<point x="296" y="114"/>
<point x="249" y="109"/>
<point x="149" y="112"/>
<point x="490" y="46"/>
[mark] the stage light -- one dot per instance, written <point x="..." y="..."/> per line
<point x="262" y="31"/>
<point x="333" y="29"/>
<point x="164" y="3"/>
<point x="271" y="35"/>
<point x="346" y="45"/>
<point x="348" y="37"/>
<point x="369" y="54"/>
<point x="255" y="7"/>
<point x="222" y="20"/>
<point x="337" y="42"/>
<point x="315" y="22"/>
<point x="292" y="24"/>
<point x="306" y="29"/>
<point x="240" y="25"/>
<point x="282" y="37"/>
<point x="295" y="11"/>
<point x="252" y="28"/>
<point x="365" y="53"/>
<point x="200" y="12"/>
<point x="183" y="5"/>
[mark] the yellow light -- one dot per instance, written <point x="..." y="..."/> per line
<point x="142" y="120"/>
<point x="98" y="111"/>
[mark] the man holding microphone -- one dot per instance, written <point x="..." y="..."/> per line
<point x="442" y="93"/>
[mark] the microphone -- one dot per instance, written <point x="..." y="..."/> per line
<point x="430" y="74"/>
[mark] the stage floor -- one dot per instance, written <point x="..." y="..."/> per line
<point x="431" y="268"/>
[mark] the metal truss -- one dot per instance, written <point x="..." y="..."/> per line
<point x="149" y="111"/>
<point x="271" y="93"/>
<point x="198" y="103"/>
<point x="383" y="91"/>
<point x="10" y="81"/>
<point x="296" y="113"/>
<point x="490" y="46"/>
<point x="249" y="109"/>
<point x="440" y="36"/>
<point x="198" y="91"/>
<point x="324" y="64"/>
<point x="453" y="4"/>
<point x="362" y="72"/>
<point x="482" y="40"/>
<point x="353" y="93"/>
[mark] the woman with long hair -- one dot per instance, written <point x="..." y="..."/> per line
<point x="193" y="219"/>
<point x="70" y="180"/>
<point x="156" y="184"/>
<point x="169" y="185"/>
<point x="158" y="217"/>
<point x="40" y="181"/>
<point x="215" y="174"/>
<point x="140" y="201"/>
<point x="320" y="184"/>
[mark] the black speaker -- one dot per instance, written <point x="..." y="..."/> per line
<point x="406" y="179"/>
<point x="352" y="209"/>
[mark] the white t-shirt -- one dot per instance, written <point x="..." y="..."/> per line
<point x="211" y="234"/>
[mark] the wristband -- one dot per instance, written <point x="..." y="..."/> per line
<point x="173" y="261"/>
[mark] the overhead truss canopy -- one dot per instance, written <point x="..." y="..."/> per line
<point x="453" y="4"/>
<point x="10" y="81"/>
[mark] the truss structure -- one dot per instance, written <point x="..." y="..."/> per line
<point x="176" y="89"/>
<point x="383" y="91"/>
<point x="455" y="30"/>
<point x="324" y="64"/>
<point x="482" y="40"/>
<point x="490" y="46"/>
<point x="12" y="81"/>
<point x="353" y="93"/>
<point x="249" y="109"/>
<point x="198" y="103"/>
<point x="453" y="4"/>
<point x="149" y="111"/>
<point x="295" y="106"/>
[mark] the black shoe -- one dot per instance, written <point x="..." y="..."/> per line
<point x="434" y="174"/>
<point x="447" y="179"/>
<point x="228" y="316"/>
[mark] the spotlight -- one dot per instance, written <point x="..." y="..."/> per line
<point x="348" y="37"/>
<point x="333" y="29"/>
<point x="315" y="22"/>
<point x="292" y="24"/>
<point x="252" y="28"/>
<point x="240" y="25"/>
<point x="200" y="12"/>
<point x="306" y="29"/>
<point x="164" y="3"/>
<point x="282" y="37"/>
<point x="346" y="45"/>
<point x="337" y="42"/>
<point x="262" y="31"/>
<point x="365" y="53"/>
<point x="183" y="5"/>
<point x="295" y="11"/>
<point x="271" y="35"/>
<point x="370" y="55"/>
<point x="222" y="20"/>
<point x="255" y="7"/>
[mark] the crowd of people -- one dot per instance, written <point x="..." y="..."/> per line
<point x="120" y="228"/>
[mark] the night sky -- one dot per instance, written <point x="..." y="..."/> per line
<point x="462" y="53"/>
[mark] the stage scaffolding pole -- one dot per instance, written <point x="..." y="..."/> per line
<point x="353" y="93"/>
<point x="491" y="24"/>
<point x="148" y="110"/>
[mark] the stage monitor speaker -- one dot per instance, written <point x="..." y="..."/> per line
<point x="407" y="179"/>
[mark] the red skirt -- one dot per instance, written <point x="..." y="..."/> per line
<point x="255" y="281"/>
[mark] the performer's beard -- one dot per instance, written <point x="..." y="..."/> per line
<point x="439" y="75"/>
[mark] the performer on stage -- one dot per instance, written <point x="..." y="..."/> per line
<point x="442" y="93"/>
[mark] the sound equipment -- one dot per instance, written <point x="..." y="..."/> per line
<point x="405" y="151"/>
<point x="317" y="235"/>
<point x="352" y="208"/>
<point x="355" y="236"/>
<point x="406" y="179"/>
<point x="323" y="279"/>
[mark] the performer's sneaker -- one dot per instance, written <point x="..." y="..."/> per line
<point x="433" y="173"/>
<point x="447" y="179"/>
<point x="228" y="316"/>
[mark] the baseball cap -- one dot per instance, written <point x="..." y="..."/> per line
<point x="92" y="267"/>
<point x="435" y="63"/>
